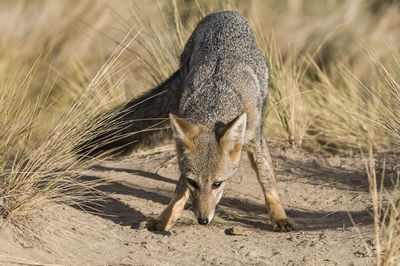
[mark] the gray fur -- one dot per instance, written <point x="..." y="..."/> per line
<point x="222" y="68"/>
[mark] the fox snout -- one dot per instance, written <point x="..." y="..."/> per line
<point x="202" y="221"/>
<point x="204" y="207"/>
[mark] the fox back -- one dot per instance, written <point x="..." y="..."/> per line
<point x="223" y="70"/>
<point x="224" y="88"/>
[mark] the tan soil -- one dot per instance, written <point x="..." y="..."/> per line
<point x="320" y="194"/>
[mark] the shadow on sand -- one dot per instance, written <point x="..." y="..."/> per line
<point x="338" y="177"/>
<point x="249" y="214"/>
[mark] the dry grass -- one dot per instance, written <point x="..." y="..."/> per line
<point x="386" y="211"/>
<point x="334" y="78"/>
<point x="288" y="99"/>
<point x="33" y="174"/>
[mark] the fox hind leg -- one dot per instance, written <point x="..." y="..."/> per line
<point x="262" y="164"/>
<point x="172" y="212"/>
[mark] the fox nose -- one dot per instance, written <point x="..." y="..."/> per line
<point x="202" y="221"/>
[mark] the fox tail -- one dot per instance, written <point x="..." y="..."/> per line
<point x="140" y="120"/>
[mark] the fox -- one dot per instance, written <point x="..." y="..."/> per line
<point x="215" y="104"/>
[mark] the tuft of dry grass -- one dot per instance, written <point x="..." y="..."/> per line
<point x="49" y="171"/>
<point x="287" y="96"/>
<point x="386" y="212"/>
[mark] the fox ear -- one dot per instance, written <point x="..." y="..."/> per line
<point x="184" y="133"/>
<point x="233" y="139"/>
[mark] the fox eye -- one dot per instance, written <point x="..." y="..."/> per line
<point x="216" y="185"/>
<point x="192" y="183"/>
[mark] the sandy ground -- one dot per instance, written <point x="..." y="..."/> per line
<point x="320" y="194"/>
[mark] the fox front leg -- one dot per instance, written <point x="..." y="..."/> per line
<point x="262" y="164"/>
<point x="174" y="209"/>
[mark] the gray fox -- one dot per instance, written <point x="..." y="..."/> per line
<point x="224" y="81"/>
<point x="215" y="101"/>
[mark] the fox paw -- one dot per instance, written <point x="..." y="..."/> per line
<point x="154" y="224"/>
<point x="283" y="225"/>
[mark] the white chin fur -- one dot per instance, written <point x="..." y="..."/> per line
<point x="211" y="216"/>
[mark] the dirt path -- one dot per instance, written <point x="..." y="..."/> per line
<point x="319" y="195"/>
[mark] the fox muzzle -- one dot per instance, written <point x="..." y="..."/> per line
<point x="202" y="221"/>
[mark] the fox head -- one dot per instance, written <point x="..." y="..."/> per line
<point x="208" y="156"/>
